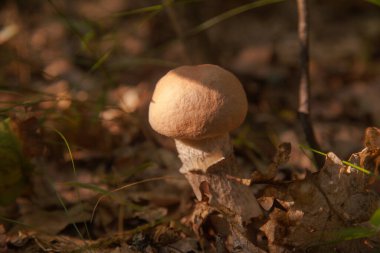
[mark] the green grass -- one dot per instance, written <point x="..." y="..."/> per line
<point x="375" y="2"/>
<point x="344" y="162"/>
<point x="359" y="232"/>
<point x="76" y="190"/>
<point x="229" y="14"/>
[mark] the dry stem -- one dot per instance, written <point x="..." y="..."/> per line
<point x="304" y="89"/>
<point x="207" y="165"/>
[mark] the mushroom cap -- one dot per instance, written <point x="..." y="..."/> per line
<point x="197" y="102"/>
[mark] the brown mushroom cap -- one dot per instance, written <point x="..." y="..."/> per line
<point x="197" y="102"/>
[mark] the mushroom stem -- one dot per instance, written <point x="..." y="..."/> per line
<point x="206" y="165"/>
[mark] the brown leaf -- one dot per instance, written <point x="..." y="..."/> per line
<point x="372" y="138"/>
<point x="52" y="222"/>
<point x="282" y="156"/>
<point x="201" y="211"/>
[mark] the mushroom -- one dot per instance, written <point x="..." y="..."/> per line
<point x="198" y="106"/>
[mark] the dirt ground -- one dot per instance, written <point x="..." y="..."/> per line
<point x="85" y="172"/>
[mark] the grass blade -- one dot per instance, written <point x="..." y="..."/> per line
<point x="229" y="14"/>
<point x="91" y="187"/>
<point x="100" y="61"/>
<point x="348" y="234"/>
<point x="357" y="167"/>
<point x="375" y="2"/>
<point x="152" y="8"/>
<point x="67" y="214"/>
<point x="142" y="61"/>
<point x="157" y="7"/>
<point x="68" y="148"/>
<point x="375" y="219"/>
<point x="77" y="192"/>
<point x="344" y="162"/>
<point x="15" y="222"/>
<point x="127" y="186"/>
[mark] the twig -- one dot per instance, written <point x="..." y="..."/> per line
<point x="304" y="88"/>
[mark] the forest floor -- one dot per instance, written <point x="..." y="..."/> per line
<point x="85" y="172"/>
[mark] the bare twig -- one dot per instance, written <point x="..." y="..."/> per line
<point x="304" y="89"/>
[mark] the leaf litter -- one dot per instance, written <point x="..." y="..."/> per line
<point x="59" y="84"/>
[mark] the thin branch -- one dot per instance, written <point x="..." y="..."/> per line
<point x="304" y="88"/>
<point x="303" y="34"/>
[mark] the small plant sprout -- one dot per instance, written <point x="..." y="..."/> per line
<point x="198" y="106"/>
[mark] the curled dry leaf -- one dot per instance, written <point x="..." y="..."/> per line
<point x="201" y="211"/>
<point x="372" y="138"/>
<point x="370" y="157"/>
<point x="282" y="156"/>
<point x="337" y="197"/>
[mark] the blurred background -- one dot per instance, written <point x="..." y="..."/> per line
<point x="80" y="74"/>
